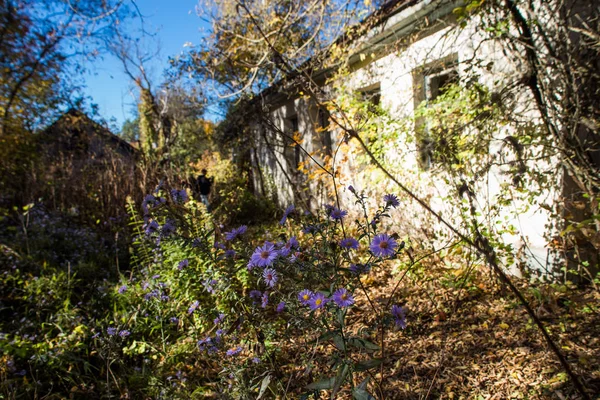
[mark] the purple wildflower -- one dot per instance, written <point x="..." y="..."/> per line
<point x="111" y="330"/>
<point x="156" y="276"/>
<point x="280" y="307"/>
<point x="290" y="209"/>
<point x="358" y="269"/>
<point x="124" y="333"/>
<point x="264" y="300"/>
<point x="174" y="320"/>
<point x="349" y="243"/>
<point x="179" y="196"/>
<point x="343" y="298"/>
<point x="233" y="352"/>
<point x="294" y="256"/>
<point x="122" y="289"/>
<point x="229" y="236"/>
<point x="256" y="360"/>
<point x="399" y="316"/>
<point x="193" y="307"/>
<point x="149" y="200"/>
<point x="168" y="228"/>
<point x="183" y="264"/>
<point x="317" y="301"/>
<point x="219" y="245"/>
<point x="337" y="214"/>
<point x="219" y="319"/>
<point x="289" y="246"/>
<point x="270" y="276"/>
<point x="311" y="228"/>
<point x="151" y="227"/>
<point x="230" y="253"/>
<point x="209" y="285"/>
<point x="391" y="200"/>
<point x="305" y="296"/>
<point x="383" y="246"/>
<point x="351" y="188"/>
<point x="255" y="295"/>
<point x="264" y="256"/>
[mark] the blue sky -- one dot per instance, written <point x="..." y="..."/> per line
<point x="175" y="23"/>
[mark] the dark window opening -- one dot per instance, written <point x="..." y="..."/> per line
<point x="292" y="149"/>
<point x="325" y="134"/>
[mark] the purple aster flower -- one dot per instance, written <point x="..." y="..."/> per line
<point x="124" y="333"/>
<point x="343" y="298"/>
<point x="311" y="228"/>
<point x="289" y="246"/>
<point x="219" y="319"/>
<point x="256" y="360"/>
<point x="174" y="320"/>
<point x="230" y="253"/>
<point x="290" y="209"/>
<point x="209" y="285"/>
<point x="219" y="333"/>
<point x="270" y="276"/>
<point x="122" y="289"/>
<point x="168" y="228"/>
<point x="358" y="269"/>
<point x="183" y="264"/>
<point x="111" y="331"/>
<point x="337" y="214"/>
<point x="219" y="245"/>
<point x="264" y="300"/>
<point x="156" y="276"/>
<point x="179" y="196"/>
<point x="280" y="307"/>
<point x="383" y="246"/>
<point x="229" y="236"/>
<point x="149" y="200"/>
<point x="233" y="352"/>
<point x="349" y="243"/>
<point x="151" y="227"/>
<point x="264" y="256"/>
<point x="391" y="200"/>
<point x="399" y="316"/>
<point x="294" y="256"/>
<point x="305" y="296"/>
<point x="317" y="301"/>
<point x="255" y="294"/>
<point x="193" y="307"/>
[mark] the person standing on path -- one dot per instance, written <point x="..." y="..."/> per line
<point x="204" y="185"/>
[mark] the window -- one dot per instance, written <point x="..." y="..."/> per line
<point x="430" y="82"/>
<point x="292" y="150"/>
<point x="371" y="95"/>
<point x="324" y="132"/>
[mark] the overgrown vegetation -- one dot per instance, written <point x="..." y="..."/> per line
<point x="116" y="281"/>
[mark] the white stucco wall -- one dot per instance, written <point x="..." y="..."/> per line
<point x="394" y="75"/>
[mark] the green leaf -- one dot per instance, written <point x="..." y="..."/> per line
<point x="339" y="380"/>
<point x="323" y="384"/>
<point x="362" y="394"/>
<point x="339" y="342"/>
<point x="365" y="365"/>
<point x="362" y="344"/>
<point x="263" y="386"/>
